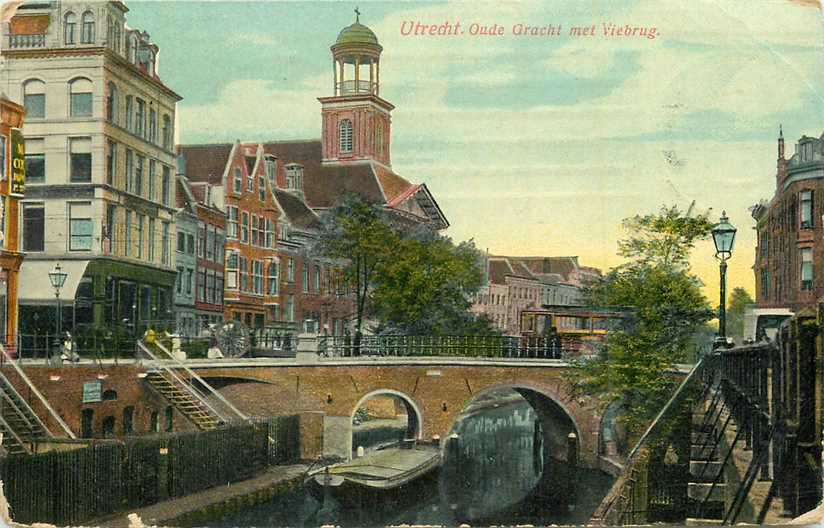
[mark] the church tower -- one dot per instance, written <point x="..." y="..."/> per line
<point x="356" y="120"/>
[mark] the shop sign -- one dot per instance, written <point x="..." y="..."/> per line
<point x="18" y="162"/>
<point x="92" y="392"/>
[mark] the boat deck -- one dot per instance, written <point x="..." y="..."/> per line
<point x="386" y="463"/>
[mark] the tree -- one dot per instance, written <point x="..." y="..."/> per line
<point x="357" y="235"/>
<point x="425" y="289"/>
<point x="668" y="308"/>
<point x="666" y="238"/>
<point x="739" y="299"/>
<point x="414" y="282"/>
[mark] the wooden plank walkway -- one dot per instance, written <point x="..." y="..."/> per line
<point x="226" y="498"/>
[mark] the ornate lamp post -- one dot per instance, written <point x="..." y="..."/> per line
<point x="57" y="277"/>
<point x="723" y="234"/>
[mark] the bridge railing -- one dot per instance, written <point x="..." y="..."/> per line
<point x="444" y="346"/>
<point x="773" y="394"/>
<point x="764" y="399"/>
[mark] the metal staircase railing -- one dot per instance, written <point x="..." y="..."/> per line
<point x="177" y="380"/>
<point x="12" y="401"/>
<point x="56" y="417"/>
<point x="620" y="504"/>
<point x="193" y="376"/>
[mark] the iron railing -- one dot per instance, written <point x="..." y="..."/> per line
<point x="652" y="489"/>
<point x="351" y="87"/>
<point x="771" y="395"/>
<point x="443" y="346"/>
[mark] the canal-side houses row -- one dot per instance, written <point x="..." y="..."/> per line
<point x="514" y="284"/>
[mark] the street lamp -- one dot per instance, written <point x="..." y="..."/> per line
<point x="57" y="277"/>
<point x="723" y="234"/>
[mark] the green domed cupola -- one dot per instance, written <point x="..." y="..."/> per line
<point x="357" y="33"/>
<point x="357" y="54"/>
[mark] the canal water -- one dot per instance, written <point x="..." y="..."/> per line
<point x="493" y="477"/>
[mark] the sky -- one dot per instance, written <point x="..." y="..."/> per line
<point x="532" y="145"/>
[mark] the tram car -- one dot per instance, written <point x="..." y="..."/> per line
<point x="578" y="329"/>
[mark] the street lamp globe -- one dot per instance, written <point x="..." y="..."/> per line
<point x="723" y="234"/>
<point x="57" y="277"/>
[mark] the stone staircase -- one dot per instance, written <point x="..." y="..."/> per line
<point x="184" y="399"/>
<point x="20" y="426"/>
<point x="706" y="490"/>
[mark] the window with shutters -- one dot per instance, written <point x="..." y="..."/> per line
<point x="345" y="132"/>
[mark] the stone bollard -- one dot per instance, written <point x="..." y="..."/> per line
<point x="360" y="452"/>
<point x="572" y="463"/>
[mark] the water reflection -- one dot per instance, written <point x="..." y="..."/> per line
<point x="491" y="474"/>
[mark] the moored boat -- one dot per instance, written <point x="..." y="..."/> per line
<point x="383" y="471"/>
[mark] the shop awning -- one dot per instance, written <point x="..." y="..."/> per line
<point x="35" y="287"/>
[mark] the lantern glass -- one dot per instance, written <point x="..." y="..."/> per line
<point x="723" y="234"/>
<point x="57" y="277"/>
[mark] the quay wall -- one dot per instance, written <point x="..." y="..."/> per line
<point x="121" y="386"/>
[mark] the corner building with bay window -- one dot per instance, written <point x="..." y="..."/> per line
<point x="100" y="194"/>
<point x="789" y="258"/>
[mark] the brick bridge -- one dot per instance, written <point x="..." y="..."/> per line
<point x="435" y="389"/>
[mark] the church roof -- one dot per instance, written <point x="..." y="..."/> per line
<point x="324" y="184"/>
<point x="357" y="33"/>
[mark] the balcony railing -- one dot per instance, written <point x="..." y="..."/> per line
<point x="37" y="40"/>
<point x="356" y="87"/>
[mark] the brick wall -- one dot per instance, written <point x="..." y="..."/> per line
<point x="65" y="395"/>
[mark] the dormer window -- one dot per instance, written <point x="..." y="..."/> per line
<point x="131" y="49"/>
<point x="87" y="34"/>
<point x="294" y="177"/>
<point x="345" y="134"/>
<point x="805" y="151"/>
<point x="271" y="167"/>
<point x="69" y="28"/>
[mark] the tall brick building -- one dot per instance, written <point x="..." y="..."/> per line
<point x="788" y="272"/>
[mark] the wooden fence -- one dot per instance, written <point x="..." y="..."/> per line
<point x="70" y="487"/>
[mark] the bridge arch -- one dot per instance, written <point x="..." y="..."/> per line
<point x="414" y="415"/>
<point x="545" y="473"/>
<point x="549" y="409"/>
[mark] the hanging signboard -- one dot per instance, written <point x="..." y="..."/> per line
<point x="18" y="163"/>
<point x="92" y="392"/>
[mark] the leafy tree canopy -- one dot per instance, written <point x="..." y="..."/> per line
<point x="413" y="282"/>
<point x="426" y="287"/>
<point x="669" y="308"/>
<point x="665" y="238"/>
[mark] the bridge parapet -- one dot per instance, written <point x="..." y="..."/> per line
<point x="547" y="347"/>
